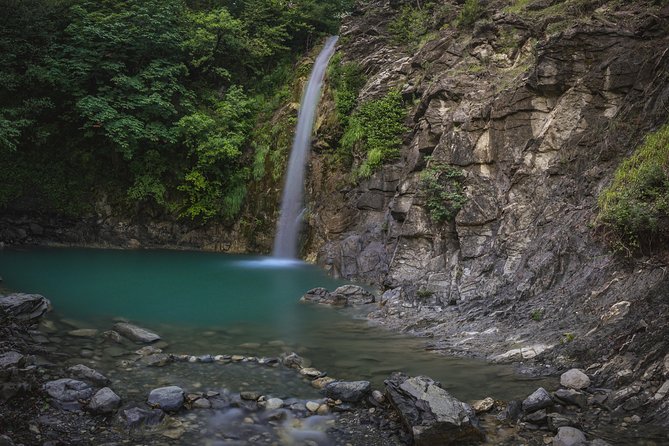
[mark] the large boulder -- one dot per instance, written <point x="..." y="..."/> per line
<point x="24" y="307"/>
<point x="169" y="398"/>
<point x="68" y="394"/>
<point x="539" y="399"/>
<point x="135" y="333"/>
<point x="323" y="297"/>
<point x="430" y="413"/>
<point x="349" y="391"/>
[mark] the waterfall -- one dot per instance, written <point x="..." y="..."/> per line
<point x="290" y="219"/>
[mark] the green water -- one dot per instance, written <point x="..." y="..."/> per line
<point x="209" y="303"/>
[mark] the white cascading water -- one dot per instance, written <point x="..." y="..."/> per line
<point x="290" y="219"/>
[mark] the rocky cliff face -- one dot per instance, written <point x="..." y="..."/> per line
<point x="537" y="121"/>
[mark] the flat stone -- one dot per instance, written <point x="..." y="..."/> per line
<point x="574" y="379"/>
<point x="431" y="414"/>
<point x="354" y="295"/>
<point x="349" y="391"/>
<point x="10" y="359"/>
<point x="169" y="398"/>
<point x="148" y="350"/>
<point x="201" y="403"/>
<point x="104" y="401"/>
<point x="539" y="399"/>
<point x="85" y="373"/>
<point x="311" y="372"/>
<point x="274" y="403"/>
<point x="571" y="396"/>
<point x="320" y="383"/>
<point x="135" y="333"/>
<point x="484" y="405"/>
<point x="24" y="307"/>
<point x="556" y="421"/>
<point x="569" y="436"/>
<point x="83" y="333"/>
<point x="156" y="360"/>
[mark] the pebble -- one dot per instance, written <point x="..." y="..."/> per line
<point x="323" y="409"/>
<point x="311" y="372"/>
<point x="273" y="403"/>
<point x="312" y="406"/>
<point x="237" y="358"/>
<point x="320" y="383"/>
<point x="201" y="403"/>
<point x="83" y="333"/>
<point x="378" y="397"/>
<point x="249" y="395"/>
<point x="484" y="405"/>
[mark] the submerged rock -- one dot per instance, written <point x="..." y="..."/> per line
<point x="430" y="413"/>
<point x="348" y="391"/>
<point x="323" y="297"/>
<point x="24" y="307"/>
<point x="82" y="372"/>
<point x="67" y="393"/>
<point x="135" y="333"/>
<point x="136" y="416"/>
<point x="169" y="398"/>
<point x="104" y="401"/>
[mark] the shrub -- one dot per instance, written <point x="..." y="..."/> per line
<point x="409" y="26"/>
<point x="635" y="207"/>
<point x="443" y="187"/>
<point x="470" y="13"/>
<point x="374" y="132"/>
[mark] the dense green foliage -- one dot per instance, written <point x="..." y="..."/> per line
<point x="153" y="102"/>
<point x="470" y="13"/>
<point x="346" y="80"/>
<point x="373" y="132"/>
<point x="443" y="186"/>
<point x="636" y="205"/>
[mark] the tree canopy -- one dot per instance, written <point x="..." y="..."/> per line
<point x="152" y="102"/>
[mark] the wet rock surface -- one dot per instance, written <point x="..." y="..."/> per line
<point x="136" y="333"/>
<point x="431" y="414"/>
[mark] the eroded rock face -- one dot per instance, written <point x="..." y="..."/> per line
<point x="430" y="413"/>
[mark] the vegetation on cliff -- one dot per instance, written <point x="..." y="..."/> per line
<point x="153" y="103"/>
<point x="635" y="207"/>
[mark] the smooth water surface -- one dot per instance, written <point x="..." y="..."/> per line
<point x="209" y="303"/>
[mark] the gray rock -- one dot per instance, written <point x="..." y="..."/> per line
<point x="104" y="401"/>
<point x="354" y="294"/>
<point x="24" y="307"/>
<point x="68" y="393"/>
<point x="201" y="403"/>
<point x="136" y="417"/>
<point x="84" y="373"/>
<point x="556" y="421"/>
<point x="574" y="379"/>
<point x="538" y="400"/>
<point x="430" y="413"/>
<point x="249" y="395"/>
<point x="83" y="333"/>
<point x="136" y="333"/>
<point x="294" y="361"/>
<point x="274" y="403"/>
<point x="538" y="417"/>
<point x="10" y="359"/>
<point x="569" y="436"/>
<point x="324" y="297"/>
<point x="169" y="398"/>
<point x="571" y="396"/>
<point x="156" y="360"/>
<point x="349" y="391"/>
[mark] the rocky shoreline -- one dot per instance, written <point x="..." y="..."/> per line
<point x="48" y="401"/>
